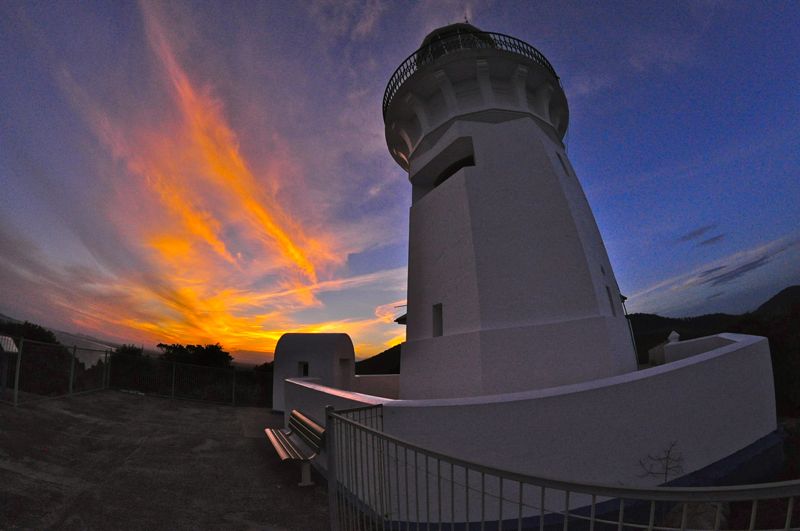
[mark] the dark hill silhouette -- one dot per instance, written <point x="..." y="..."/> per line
<point x="387" y="362"/>
<point x="650" y="329"/>
<point x="778" y="319"/>
<point x="783" y="303"/>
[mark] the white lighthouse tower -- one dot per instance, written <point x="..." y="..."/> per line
<point x="509" y="283"/>
<point x="518" y="354"/>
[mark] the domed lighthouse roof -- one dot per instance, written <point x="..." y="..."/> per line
<point x="452" y="30"/>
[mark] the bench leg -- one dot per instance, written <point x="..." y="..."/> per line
<point x="305" y="474"/>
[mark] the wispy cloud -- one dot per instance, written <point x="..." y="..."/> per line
<point x="663" y="50"/>
<point x="712" y="240"/>
<point x="355" y="19"/>
<point x="732" y="273"/>
<point x="685" y="290"/>
<point x="696" y="233"/>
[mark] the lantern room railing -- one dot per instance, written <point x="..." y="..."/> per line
<point x="454" y="42"/>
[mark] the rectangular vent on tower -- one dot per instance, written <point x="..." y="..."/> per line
<point x="438" y="328"/>
<point x="441" y="166"/>
<point x="454" y="167"/>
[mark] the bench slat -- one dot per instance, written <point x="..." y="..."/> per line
<point x="309" y="436"/>
<point x="282" y="453"/>
<point x="312" y="426"/>
<point x="309" y="431"/>
<point x="283" y="446"/>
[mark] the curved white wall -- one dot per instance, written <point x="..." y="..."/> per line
<point x="712" y="404"/>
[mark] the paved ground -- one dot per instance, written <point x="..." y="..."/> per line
<point x="111" y="460"/>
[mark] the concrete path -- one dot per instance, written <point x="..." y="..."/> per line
<point x="111" y="460"/>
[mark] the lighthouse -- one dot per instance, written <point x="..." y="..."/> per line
<point x="518" y="354"/>
<point x="509" y="284"/>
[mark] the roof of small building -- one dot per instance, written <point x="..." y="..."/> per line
<point x="7" y="344"/>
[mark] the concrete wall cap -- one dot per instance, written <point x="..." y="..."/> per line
<point x="351" y="395"/>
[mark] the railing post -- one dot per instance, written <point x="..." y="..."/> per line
<point x="16" y="374"/>
<point x="72" y="368"/>
<point x="233" y="394"/>
<point x="333" y="484"/>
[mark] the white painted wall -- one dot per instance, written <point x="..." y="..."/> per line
<point x="330" y="358"/>
<point x="712" y="404"/>
<point x="678" y="350"/>
<point x="383" y="385"/>
<point x="510" y="249"/>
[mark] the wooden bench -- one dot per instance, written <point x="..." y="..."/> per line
<point x="305" y="430"/>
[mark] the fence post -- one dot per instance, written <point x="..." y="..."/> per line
<point x="108" y="370"/>
<point x="333" y="484"/>
<point x="173" y="379"/>
<point x="16" y="374"/>
<point x="72" y="368"/>
<point x="233" y="397"/>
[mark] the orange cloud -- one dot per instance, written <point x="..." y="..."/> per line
<point x="226" y="260"/>
<point x="216" y="150"/>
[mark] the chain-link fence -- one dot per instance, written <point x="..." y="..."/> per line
<point x="33" y="370"/>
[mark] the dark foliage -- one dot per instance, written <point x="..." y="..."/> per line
<point x="129" y="366"/>
<point x="191" y="371"/>
<point x="128" y="352"/>
<point x="254" y="387"/>
<point x="208" y="355"/>
<point x="28" y="331"/>
<point x="264" y="367"/>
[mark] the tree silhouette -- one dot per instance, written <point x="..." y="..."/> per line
<point x="668" y="463"/>
<point x="208" y="355"/>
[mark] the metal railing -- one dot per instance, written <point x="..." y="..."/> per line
<point x="461" y="40"/>
<point x="377" y="481"/>
<point x="39" y="370"/>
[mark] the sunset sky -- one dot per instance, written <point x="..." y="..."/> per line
<point x="203" y="172"/>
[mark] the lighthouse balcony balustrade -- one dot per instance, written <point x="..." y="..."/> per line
<point x="377" y="481"/>
<point x="462" y="40"/>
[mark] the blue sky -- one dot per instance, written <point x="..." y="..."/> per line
<point x="217" y="171"/>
